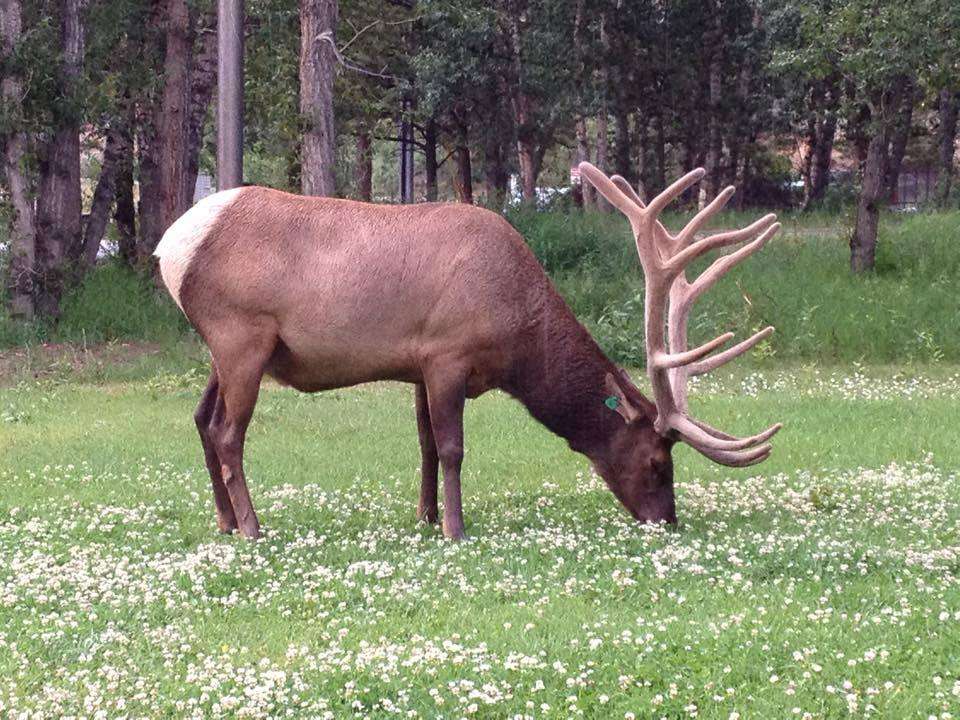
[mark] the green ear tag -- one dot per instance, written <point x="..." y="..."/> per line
<point x="612" y="402"/>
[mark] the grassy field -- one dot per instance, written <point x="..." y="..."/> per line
<point x="823" y="583"/>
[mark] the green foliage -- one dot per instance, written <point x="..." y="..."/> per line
<point x="16" y="333"/>
<point x="112" y="303"/>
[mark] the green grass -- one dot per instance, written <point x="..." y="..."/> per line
<point x="112" y="303"/>
<point x="834" y="563"/>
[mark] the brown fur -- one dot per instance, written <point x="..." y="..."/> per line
<point x="322" y="293"/>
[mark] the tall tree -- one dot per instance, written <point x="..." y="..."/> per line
<point x="713" y="42"/>
<point x="14" y="142"/>
<point x="364" y="166"/>
<point x="824" y="103"/>
<point x="879" y="51"/>
<point x="899" y="136"/>
<point x="945" y="82"/>
<point x="318" y="60"/>
<point x="537" y="33"/>
<point x="166" y="139"/>
<point x="586" y="196"/>
<point x="58" y="195"/>
<point x="948" y="106"/>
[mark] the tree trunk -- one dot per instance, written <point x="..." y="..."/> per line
<point x="820" y="152"/>
<point x="529" y="170"/>
<point x="900" y="136"/>
<point x="863" y="244"/>
<point x="125" y="212"/>
<point x="602" y="161"/>
<point x="806" y="166"/>
<point x="59" y="203"/>
<point x="602" y="122"/>
<point x="743" y="126"/>
<point x="947" y="142"/>
<point x="588" y="193"/>
<point x="528" y="153"/>
<point x="150" y="203"/>
<point x="405" y="151"/>
<point x="364" y="166"/>
<point x="622" y="163"/>
<point x="711" y="182"/>
<point x="164" y="134"/>
<point x="494" y="169"/>
<point x="174" y="126"/>
<point x="463" y="175"/>
<point x="583" y="192"/>
<point x="430" y="159"/>
<point x="202" y="83"/>
<point x="318" y="31"/>
<point x="22" y="237"/>
<point x="643" y="141"/>
<point x="658" y="178"/>
<point x="103" y="195"/>
<point x="857" y="122"/>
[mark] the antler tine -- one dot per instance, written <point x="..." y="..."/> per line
<point x="657" y="205"/>
<point x="694" y="433"/>
<point x="610" y="191"/>
<point x="721" y="266"/>
<point x="740" y="458"/>
<point x="719" y="202"/>
<point x="662" y="234"/>
<point x="712" y="363"/>
<point x="627" y="189"/>
<point x="683" y="258"/>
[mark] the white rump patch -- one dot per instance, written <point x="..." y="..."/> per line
<point x="181" y="240"/>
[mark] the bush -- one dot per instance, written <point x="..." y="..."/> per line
<point x="116" y="303"/>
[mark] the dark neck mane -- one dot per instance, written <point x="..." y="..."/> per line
<point x="561" y="380"/>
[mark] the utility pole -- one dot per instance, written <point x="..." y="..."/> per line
<point x="229" y="94"/>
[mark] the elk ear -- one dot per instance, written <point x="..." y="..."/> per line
<point x="617" y="400"/>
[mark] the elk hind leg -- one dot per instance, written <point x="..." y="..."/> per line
<point x="204" y="417"/>
<point x="427" y="510"/>
<point x="240" y="368"/>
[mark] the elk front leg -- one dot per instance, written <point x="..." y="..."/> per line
<point x="226" y="520"/>
<point x="427" y="507"/>
<point x="446" y="394"/>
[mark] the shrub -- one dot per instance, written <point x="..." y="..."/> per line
<point x="114" y="303"/>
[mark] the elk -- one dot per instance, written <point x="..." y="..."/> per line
<point x="323" y="293"/>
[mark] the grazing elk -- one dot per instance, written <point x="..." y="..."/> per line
<point x="322" y="293"/>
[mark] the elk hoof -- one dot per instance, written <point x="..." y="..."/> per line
<point x="454" y="531"/>
<point x="427" y="515"/>
<point x="250" y="529"/>
<point x="226" y="524"/>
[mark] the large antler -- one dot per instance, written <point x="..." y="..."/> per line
<point x="669" y="298"/>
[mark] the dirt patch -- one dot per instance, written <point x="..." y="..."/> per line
<point x="48" y="360"/>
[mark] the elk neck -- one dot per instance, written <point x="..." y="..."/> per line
<point x="560" y="379"/>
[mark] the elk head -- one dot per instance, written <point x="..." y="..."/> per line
<point x="638" y="467"/>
